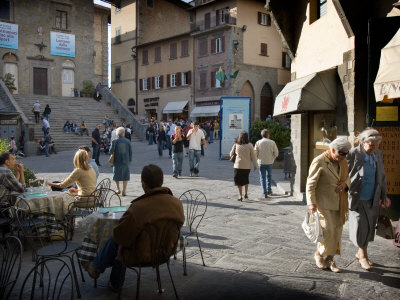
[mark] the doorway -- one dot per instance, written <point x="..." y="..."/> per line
<point x="248" y="91"/>
<point x="40" y="81"/>
<point x="266" y="102"/>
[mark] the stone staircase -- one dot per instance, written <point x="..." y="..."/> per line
<point x="68" y="108"/>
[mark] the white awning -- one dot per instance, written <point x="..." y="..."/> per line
<point x="174" y="107"/>
<point x="387" y="82"/>
<point x="316" y="91"/>
<point x="205" y="111"/>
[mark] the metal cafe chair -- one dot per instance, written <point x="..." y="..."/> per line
<point x="49" y="244"/>
<point x="195" y="207"/>
<point x="109" y="197"/>
<point x="51" y="278"/>
<point x="105" y="183"/>
<point x="159" y="234"/>
<point x="10" y="264"/>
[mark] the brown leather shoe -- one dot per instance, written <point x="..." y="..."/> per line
<point x="320" y="262"/>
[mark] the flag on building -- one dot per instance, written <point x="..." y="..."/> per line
<point x="234" y="75"/>
<point x="220" y="75"/>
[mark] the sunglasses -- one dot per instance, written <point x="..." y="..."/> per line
<point x="343" y="153"/>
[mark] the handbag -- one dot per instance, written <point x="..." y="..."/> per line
<point x="233" y="157"/>
<point x="384" y="225"/>
<point x="312" y="227"/>
<point x="111" y="159"/>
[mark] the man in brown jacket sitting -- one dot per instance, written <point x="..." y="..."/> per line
<point x="126" y="247"/>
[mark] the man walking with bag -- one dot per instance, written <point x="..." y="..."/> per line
<point x="195" y="137"/>
<point x="266" y="151"/>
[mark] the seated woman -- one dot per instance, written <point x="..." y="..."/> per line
<point x="83" y="129"/>
<point x="42" y="147"/>
<point x="67" y="127"/>
<point x="85" y="178"/>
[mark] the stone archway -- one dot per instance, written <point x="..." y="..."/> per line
<point x="248" y="91"/>
<point x="266" y="102"/>
<point x="10" y="65"/>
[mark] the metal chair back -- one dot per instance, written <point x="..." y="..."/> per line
<point x="10" y="265"/>
<point x="195" y="205"/>
<point x="105" y="183"/>
<point x="109" y="197"/>
<point x="51" y="278"/>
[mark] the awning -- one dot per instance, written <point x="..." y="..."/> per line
<point x="387" y="82"/>
<point x="316" y="91"/>
<point x="174" y="107"/>
<point x="205" y="111"/>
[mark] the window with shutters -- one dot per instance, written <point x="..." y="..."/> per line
<point x="318" y="9"/>
<point x="203" y="47"/>
<point x="172" y="51"/>
<point x="264" y="19"/>
<point x="185" y="48"/>
<point x="118" y="74"/>
<point x="145" y="84"/>
<point x="145" y="57"/>
<point x="157" y="54"/>
<point x="218" y="45"/>
<point x="61" y="19"/>
<point x="286" y="61"/>
<point x="157" y="82"/>
<point x="203" y="80"/>
<point x="172" y="80"/>
<point x="222" y="16"/>
<point x="264" y="49"/>
<point x="185" y="78"/>
<point x="207" y="21"/>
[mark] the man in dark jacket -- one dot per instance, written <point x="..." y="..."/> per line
<point x="96" y="140"/>
<point x="127" y="247"/>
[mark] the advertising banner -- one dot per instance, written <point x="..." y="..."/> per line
<point x="234" y="118"/>
<point x="62" y="44"/>
<point x="8" y="35"/>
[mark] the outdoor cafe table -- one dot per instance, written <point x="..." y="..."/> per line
<point x="99" y="227"/>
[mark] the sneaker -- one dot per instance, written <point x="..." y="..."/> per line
<point x="90" y="268"/>
<point x="191" y="174"/>
<point x="196" y="175"/>
<point x="270" y="193"/>
<point x="175" y="175"/>
<point x="113" y="288"/>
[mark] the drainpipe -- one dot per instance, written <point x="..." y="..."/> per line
<point x="369" y="119"/>
<point x="137" y="58"/>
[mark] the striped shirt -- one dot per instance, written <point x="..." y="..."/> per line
<point x="9" y="183"/>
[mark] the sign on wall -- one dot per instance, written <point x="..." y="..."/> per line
<point x="234" y="118"/>
<point x="8" y="35"/>
<point x="390" y="147"/>
<point x="62" y="44"/>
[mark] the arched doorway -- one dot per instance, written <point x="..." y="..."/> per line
<point x="266" y="102"/>
<point x="248" y="91"/>
<point x="10" y="65"/>
<point x="132" y="105"/>
<point x="68" y="78"/>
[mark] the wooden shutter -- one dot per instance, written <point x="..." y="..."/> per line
<point x="207" y="19"/>
<point x="259" y="17"/>
<point x="212" y="79"/>
<point x="153" y="83"/>
<point x="223" y="44"/>
<point x="161" y="81"/>
<point x="168" y="80"/>
<point x="178" y="79"/>
<point x="226" y="12"/>
<point x="212" y="45"/>
<point x="284" y="59"/>
<point x="141" y="84"/>
<point x="189" y="77"/>
<point x="268" y="20"/>
<point x="217" y="15"/>
<point x="264" y="49"/>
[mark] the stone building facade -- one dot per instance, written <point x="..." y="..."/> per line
<point x="52" y="46"/>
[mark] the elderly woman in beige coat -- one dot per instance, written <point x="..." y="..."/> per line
<point x="326" y="191"/>
<point x="244" y="156"/>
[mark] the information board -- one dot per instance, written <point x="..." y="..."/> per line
<point x="8" y="35"/>
<point x="390" y="147"/>
<point x="62" y="44"/>
<point x="234" y="118"/>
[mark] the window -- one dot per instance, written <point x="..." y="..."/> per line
<point x="203" y="80"/>
<point x="203" y="46"/>
<point x="172" y="51"/>
<point x="5" y="10"/>
<point x="172" y="80"/>
<point x="157" y="82"/>
<point x="157" y="54"/>
<point x="222" y="16"/>
<point x="318" y="9"/>
<point x="61" y="19"/>
<point x="145" y="83"/>
<point x="217" y="45"/>
<point x="150" y="3"/>
<point x="264" y="19"/>
<point x="186" y="78"/>
<point x="207" y="21"/>
<point x="145" y="57"/>
<point x="215" y="83"/>
<point x="264" y="49"/>
<point x="286" y="61"/>
<point x="117" y="74"/>
<point x="185" y="48"/>
<point x="118" y="35"/>
<point x="322" y="8"/>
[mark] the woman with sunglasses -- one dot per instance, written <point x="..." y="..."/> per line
<point x="326" y="191"/>
<point x="367" y="190"/>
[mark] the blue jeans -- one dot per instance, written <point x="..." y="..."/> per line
<point x="107" y="258"/>
<point x="151" y="136"/>
<point x="265" y="178"/>
<point x="96" y="153"/>
<point x="160" y="147"/>
<point x="211" y="136"/>
<point x="177" y="159"/>
<point x="46" y="149"/>
<point x="168" y="145"/>
<point x="194" y="155"/>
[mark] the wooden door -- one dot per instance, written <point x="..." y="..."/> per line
<point x="266" y="107"/>
<point x="40" y="81"/>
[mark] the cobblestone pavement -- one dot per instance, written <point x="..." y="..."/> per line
<point x="253" y="249"/>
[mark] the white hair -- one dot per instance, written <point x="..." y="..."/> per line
<point x="120" y="131"/>
<point x="369" y="135"/>
<point x="340" y="144"/>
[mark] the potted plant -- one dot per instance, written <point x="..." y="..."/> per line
<point x="87" y="88"/>
<point x="9" y="80"/>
